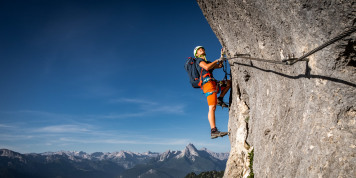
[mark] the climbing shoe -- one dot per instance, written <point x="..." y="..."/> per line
<point x="215" y="133"/>
<point x="221" y="103"/>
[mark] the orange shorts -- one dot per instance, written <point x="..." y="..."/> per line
<point x="211" y="87"/>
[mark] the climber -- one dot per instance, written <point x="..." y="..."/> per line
<point x="212" y="87"/>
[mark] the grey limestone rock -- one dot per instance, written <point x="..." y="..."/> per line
<point x="300" y="119"/>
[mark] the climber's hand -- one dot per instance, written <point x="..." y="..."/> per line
<point x="222" y="59"/>
<point x="222" y="52"/>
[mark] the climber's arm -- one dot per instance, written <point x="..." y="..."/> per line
<point x="209" y="66"/>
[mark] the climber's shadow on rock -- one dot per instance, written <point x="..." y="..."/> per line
<point x="305" y="75"/>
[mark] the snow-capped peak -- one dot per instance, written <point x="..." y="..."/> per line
<point x="165" y="155"/>
<point x="190" y="150"/>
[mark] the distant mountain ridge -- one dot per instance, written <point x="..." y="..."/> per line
<point x="98" y="164"/>
<point x="125" y="159"/>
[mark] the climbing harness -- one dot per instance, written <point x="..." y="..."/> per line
<point x="207" y="79"/>
<point x="291" y="61"/>
<point x="210" y="93"/>
<point x="217" y="90"/>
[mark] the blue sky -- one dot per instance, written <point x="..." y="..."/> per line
<point x="103" y="76"/>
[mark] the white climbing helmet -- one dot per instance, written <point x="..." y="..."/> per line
<point x="196" y="49"/>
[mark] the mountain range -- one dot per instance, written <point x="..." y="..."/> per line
<point x="117" y="164"/>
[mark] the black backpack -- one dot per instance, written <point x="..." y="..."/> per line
<point x="193" y="73"/>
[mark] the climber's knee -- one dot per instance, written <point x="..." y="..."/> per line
<point x="212" y="108"/>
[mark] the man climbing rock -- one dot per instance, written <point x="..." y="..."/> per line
<point x="211" y="87"/>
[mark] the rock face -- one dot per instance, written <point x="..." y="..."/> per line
<point x="300" y="119"/>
